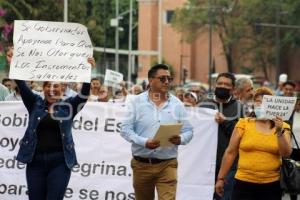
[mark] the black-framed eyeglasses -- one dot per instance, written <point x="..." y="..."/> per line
<point x="164" y="78"/>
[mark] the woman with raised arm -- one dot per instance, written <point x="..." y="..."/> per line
<point x="47" y="146"/>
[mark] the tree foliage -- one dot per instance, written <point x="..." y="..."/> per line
<point x="95" y="14"/>
<point x="236" y="22"/>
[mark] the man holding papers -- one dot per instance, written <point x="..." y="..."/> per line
<point x="151" y="115"/>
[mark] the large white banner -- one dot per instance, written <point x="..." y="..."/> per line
<point x="104" y="171"/>
<point x="51" y="51"/>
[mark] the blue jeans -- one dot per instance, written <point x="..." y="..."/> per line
<point x="47" y="176"/>
<point x="228" y="187"/>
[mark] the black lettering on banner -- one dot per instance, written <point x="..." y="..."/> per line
<point x="112" y="195"/>
<point x="85" y="194"/>
<point x="13" y="189"/>
<point x="11" y="163"/>
<point x="82" y="194"/>
<point x="69" y="193"/>
<point x="9" y="143"/>
<point x="119" y="127"/>
<point x="14" y="121"/>
<point x="109" y="124"/>
<point x="103" y="168"/>
<point x="112" y="126"/>
<point x="6" y="121"/>
<point x="88" y="125"/>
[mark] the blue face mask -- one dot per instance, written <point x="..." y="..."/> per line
<point x="259" y="112"/>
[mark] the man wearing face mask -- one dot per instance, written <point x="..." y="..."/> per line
<point x="229" y="112"/>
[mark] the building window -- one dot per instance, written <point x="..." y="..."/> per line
<point x="169" y="16"/>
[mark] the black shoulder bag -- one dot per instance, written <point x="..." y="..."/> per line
<point x="290" y="171"/>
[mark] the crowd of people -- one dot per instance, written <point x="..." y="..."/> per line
<point x="249" y="148"/>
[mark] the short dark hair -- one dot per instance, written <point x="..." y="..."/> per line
<point x="155" y="68"/>
<point x="227" y="75"/>
<point x="95" y="79"/>
<point x="5" y="80"/>
<point x="291" y="83"/>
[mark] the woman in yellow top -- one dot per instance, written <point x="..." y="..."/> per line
<point x="260" y="144"/>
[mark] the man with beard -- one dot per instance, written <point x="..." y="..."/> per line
<point x="229" y="111"/>
<point x="244" y="93"/>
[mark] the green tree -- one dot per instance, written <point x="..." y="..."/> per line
<point x="234" y="21"/>
<point x="95" y="14"/>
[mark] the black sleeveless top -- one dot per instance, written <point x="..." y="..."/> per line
<point x="49" y="136"/>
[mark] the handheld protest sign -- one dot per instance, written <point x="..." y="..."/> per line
<point x="113" y="79"/>
<point x="51" y="51"/>
<point x="278" y="106"/>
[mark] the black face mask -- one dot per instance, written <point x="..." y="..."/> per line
<point x="222" y="93"/>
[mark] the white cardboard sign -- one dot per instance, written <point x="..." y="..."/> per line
<point x="113" y="78"/>
<point x="278" y="106"/>
<point x="51" y="51"/>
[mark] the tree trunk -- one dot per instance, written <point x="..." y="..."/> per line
<point x="229" y="59"/>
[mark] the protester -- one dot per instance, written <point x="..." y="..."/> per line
<point x="288" y="89"/>
<point x="229" y="111"/>
<point x="136" y="89"/>
<point x="199" y="91"/>
<point x="295" y="120"/>
<point x="47" y="146"/>
<point x="154" y="166"/>
<point x="244" y="89"/>
<point x="67" y="91"/>
<point x="244" y="93"/>
<point x="260" y="143"/>
<point x="190" y="99"/>
<point x="9" y="84"/>
<point x="14" y="96"/>
<point x="282" y="79"/>
<point x="179" y="93"/>
<point x="95" y="89"/>
<point x="104" y="94"/>
<point x="4" y="92"/>
<point x="121" y="96"/>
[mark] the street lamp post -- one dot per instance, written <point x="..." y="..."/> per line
<point x="117" y="37"/>
<point x="130" y="42"/>
<point x="65" y="10"/>
<point x="160" y="37"/>
<point x="277" y="36"/>
<point x="210" y="45"/>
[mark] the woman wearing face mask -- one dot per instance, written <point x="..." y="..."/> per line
<point x="47" y="146"/>
<point x="260" y="144"/>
